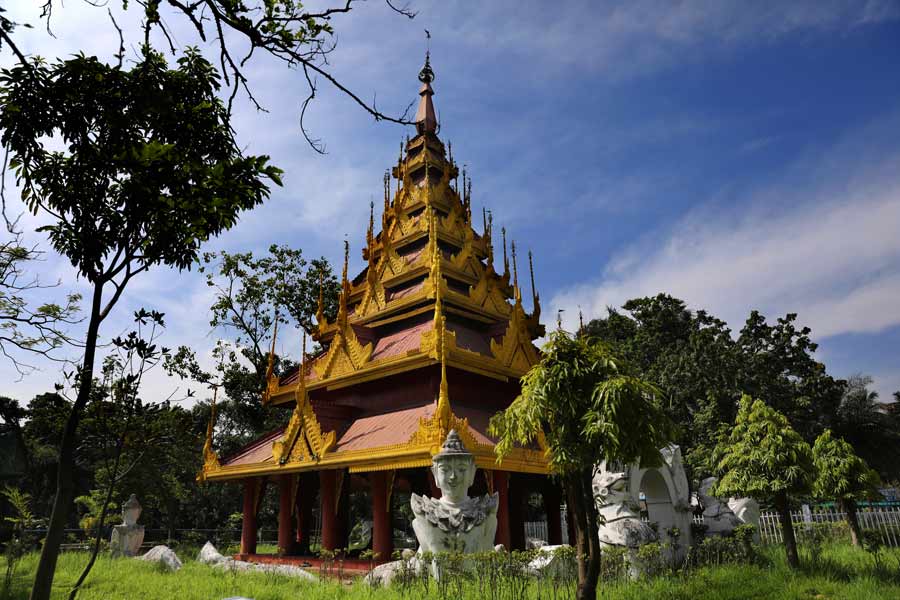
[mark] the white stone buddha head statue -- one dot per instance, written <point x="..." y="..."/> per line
<point x="454" y="469"/>
<point x="131" y="510"/>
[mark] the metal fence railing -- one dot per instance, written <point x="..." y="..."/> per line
<point x="883" y="519"/>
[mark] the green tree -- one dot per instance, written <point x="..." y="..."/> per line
<point x="764" y="458"/>
<point x="251" y="293"/>
<point x="842" y="475"/>
<point x="869" y="426"/>
<point x="135" y="168"/>
<point x="590" y="407"/>
<point x="691" y="356"/>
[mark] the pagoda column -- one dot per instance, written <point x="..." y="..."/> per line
<point x="501" y="487"/>
<point x="306" y="495"/>
<point x="286" y="540"/>
<point x="517" y="495"/>
<point x="552" y="504"/>
<point x="330" y="484"/>
<point x="382" y="523"/>
<point x="248" y="524"/>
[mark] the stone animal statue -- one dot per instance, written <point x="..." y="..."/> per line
<point x="717" y="516"/>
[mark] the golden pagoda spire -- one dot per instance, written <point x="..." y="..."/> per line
<point x="426" y="121"/>
<point x="345" y="286"/>
<point x="387" y="200"/>
<point x="505" y="260"/>
<point x="371" y="276"/>
<point x="370" y="233"/>
<point x="535" y="297"/>
<point x="516" y="290"/>
<point x="489" y="238"/>
<point x="468" y="202"/>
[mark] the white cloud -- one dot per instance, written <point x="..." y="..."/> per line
<point x="821" y="241"/>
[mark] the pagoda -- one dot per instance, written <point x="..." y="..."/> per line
<point x="429" y="337"/>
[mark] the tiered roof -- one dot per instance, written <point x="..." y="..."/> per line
<point x="429" y="294"/>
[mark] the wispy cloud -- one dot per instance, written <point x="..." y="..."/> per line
<point x="822" y="241"/>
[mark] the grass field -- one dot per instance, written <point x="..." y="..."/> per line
<point x="840" y="573"/>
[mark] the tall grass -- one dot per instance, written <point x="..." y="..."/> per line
<point x="839" y="572"/>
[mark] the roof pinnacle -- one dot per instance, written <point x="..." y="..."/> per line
<point x="426" y="121"/>
<point x="516" y="290"/>
<point x="345" y="286"/>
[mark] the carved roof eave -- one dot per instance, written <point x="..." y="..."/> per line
<point x="458" y="358"/>
<point x="416" y="452"/>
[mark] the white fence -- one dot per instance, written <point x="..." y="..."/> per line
<point x="883" y="519"/>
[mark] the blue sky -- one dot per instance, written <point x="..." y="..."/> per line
<point x="735" y="155"/>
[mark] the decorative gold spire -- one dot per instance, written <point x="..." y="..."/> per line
<point x="426" y="121"/>
<point x="345" y="287"/>
<point x="516" y="291"/>
<point x="488" y="238"/>
<point x="535" y="297"/>
<point x="271" y="382"/>
<point x="387" y="200"/>
<point x="210" y="458"/>
<point x="443" y="412"/>
<point x="505" y="260"/>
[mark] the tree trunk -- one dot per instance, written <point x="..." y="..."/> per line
<point x="99" y="535"/>
<point x="580" y="497"/>
<point x="65" y="486"/>
<point x="849" y="507"/>
<point x="787" y="530"/>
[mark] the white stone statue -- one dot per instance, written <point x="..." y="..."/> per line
<point x="127" y="538"/>
<point x="454" y="522"/>
<point x="717" y="516"/>
<point x="745" y="509"/>
<point x="620" y="516"/>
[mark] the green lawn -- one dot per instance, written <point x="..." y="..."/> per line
<point x="840" y="573"/>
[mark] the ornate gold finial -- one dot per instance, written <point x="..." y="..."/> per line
<point x="443" y="411"/>
<point x="505" y="259"/>
<point x="468" y="196"/>
<point x="320" y="311"/>
<point x="489" y="238"/>
<point x="370" y="233"/>
<point x="535" y="297"/>
<point x="270" y="368"/>
<point x="210" y="458"/>
<point x="426" y="121"/>
<point x="516" y="290"/>
<point x="387" y="198"/>
<point x="345" y="286"/>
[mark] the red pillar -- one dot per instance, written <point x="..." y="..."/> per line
<point x="552" y="501"/>
<point x="517" y="495"/>
<point x="286" y="541"/>
<point x="331" y="530"/>
<point x="308" y="487"/>
<point x="382" y="527"/>
<point x="248" y="525"/>
<point x="501" y="487"/>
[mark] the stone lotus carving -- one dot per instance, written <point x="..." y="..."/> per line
<point x="127" y="538"/>
<point x="454" y="522"/>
